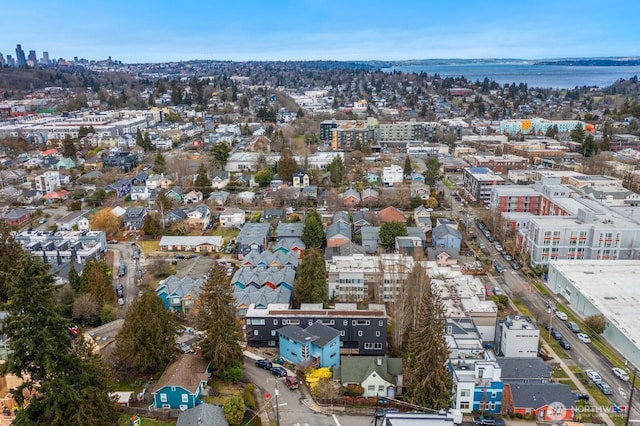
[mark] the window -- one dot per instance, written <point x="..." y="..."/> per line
<point x="345" y="322"/>
<point x="380" y="388"/>
<point x="273" y="332"/>
<point x="271" y="343"/>
<point x="465" y="393"/>
<point x="360" y="333"/>
<point x="185" y="397"/>
<point x="377" y="346"/>
<point x="275" y="322"/>
<point x="342" y="333"/>
<point x="494" y="394"/>
<point x="257" y="322"/>
<point x="371" y="388"/>
<point x="163" y="397"/>
<point x="492" y="406"/>
<point x="256" y="332"/>
<point x="381" y="323"/>
<point x="464" y="405"/>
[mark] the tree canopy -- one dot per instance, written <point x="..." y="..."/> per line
<point x="217" y="318"/>
<point x="220" y="154"/>
<point x="96" y="281"/>
<point x="202" y="182"/>
<point x="287" y="165"/>
<point x="159" y="163"/>
<point x="313" y="231"/>
<point x="408" y="168"/>
<point x="264" y="176"/>
<point x="311" y="283"/>
<point x="67" y="383"/>
<point x="11" y="253"/>
<point x="389" y="231"/>
<point x="337" y="170"/>
<point x="428" y="382"/>
<point x="432" y="172"/>
<point x="146" y="341"/>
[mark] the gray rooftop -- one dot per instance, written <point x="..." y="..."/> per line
<point x="523" y="368"/>
<point x="533" y="395"/>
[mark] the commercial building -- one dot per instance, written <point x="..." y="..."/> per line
<point x="362" y="331"/>
<point x="499" y="164"/>
<point x="539" y="126"/>
<point x="594" y="287"/>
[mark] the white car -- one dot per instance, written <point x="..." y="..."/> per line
<point x="584" y="338"/>
<point x="620" y="374"/>
<point x="562" y="315"/>
<point x="593" y="375"/>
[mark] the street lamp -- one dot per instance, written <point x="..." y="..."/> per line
<point x="277" y="392"/>
<point x="550" y="312"/>
<point x="633" y="385"/>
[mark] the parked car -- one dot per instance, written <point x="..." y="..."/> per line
<point x="604" y="388"/>
<point x="229" y="249"/>
<point x="119" y="290"/>
<point x="186" y="349"/>
<point x="593" y="375"/>
<point x="488" y="421"/>
<point x="581" y="396"/>
<point x="381" y="412"/>
<point x="556" y="334"/>
<point x="620" y="374"/>
<point x="278" y="371"/>
<point x="564" y="344"/>
<point x="507" y="257"/>
<point x="498" y="291"/>
<point x="584" y="338"/>
<point x="122" y="270"/>
<point x="562" y="315"/>
<point x="42" y="221"/>
<point x="498" y="247"/>
<point x="264" y="364"/>
<point x="573" y="327"/>
<point x="482" y="246"/>
<point x="499" y="268"/>
<point x="291" y="382"/>
<point x="515" y="266"/>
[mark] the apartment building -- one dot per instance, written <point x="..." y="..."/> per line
<point x="478" y="183"/>
<point x="352" y="133"/>
<point x="406" y="131"/>
<point x="362" y="331"/>
<point x="64" y="247"/>
<point x="517" y="336"/>
<point x="499" y="164"/>
<point x="539" y="126"/>
<point x="47" y="182"/>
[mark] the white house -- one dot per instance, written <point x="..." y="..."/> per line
<point x="139" y="193"/>
<point x="391" y="175"/>
<point x="219" y="179"/>
<point x="232" y="217"/>
<point x="378" y="376"/>
<point x="193" y="197"/>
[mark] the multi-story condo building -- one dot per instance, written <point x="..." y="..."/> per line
<point x="517" y="336"/>
<point x="475" y="371"/>
<point x="362" y="331"/>
<point x="47" y="182"/>
<point x="557" y="222"/>
<point x="406" y="131"/>
<point x="64" y="247"/>
<point x="478" y="183"/>
<point x="539" y="126"/>
<point x="350" y="134"/>
<point x="499" y="164"/>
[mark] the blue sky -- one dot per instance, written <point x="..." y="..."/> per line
<point x="160" y="31"/>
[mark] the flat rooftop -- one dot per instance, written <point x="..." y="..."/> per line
<point x="611" y="286"/>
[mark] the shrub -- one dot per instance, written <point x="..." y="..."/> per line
<point x="353" y="390"/>
<point x="249" y="399"/>
<point x="232" y="374"/>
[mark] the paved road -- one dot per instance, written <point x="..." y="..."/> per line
<point x="123" y="254"/>
<point x="516" y="285"/>
<point x="291" y="409"/>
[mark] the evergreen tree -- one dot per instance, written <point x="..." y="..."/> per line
<point x="588" y="147"/>
<point x="428" y="382"/>
<point x="68" y="147"/>
<point x="287" y="165"/>
<point x="337" y="170"/>
<point x="263" y="177"/>
<point x="432" y="173"/>
<point x="220" y="154"/>
<point x="577" y="134"/>
<point x="146" y="142"/>
<point x="139" y="138"/>
<point x="389" y="231"/>
<point x="10" y="254"/>
<point x="150" y="226"/>
<point x="74" y="278"/>
<point x="311" y="283"/>
<point x="66" y="382"/>
<point x="202" y="182"/>
<point x="146" y="341"/>
<point x="218" y="319"/>
<point x="159" y="163"/>
<point x="408" y="168"/>
<point x="313" y="231"/>
<point x="96" y="281"/>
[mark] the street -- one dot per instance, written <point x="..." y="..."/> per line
<point x="123" y="254"/>
<point x="292" y="411"/>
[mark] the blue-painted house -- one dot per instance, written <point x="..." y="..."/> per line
<point x="122" y="187"/>
<point x="182" y="382"/>
<point x="316" y="346"/>
<point x="446" y="236"/>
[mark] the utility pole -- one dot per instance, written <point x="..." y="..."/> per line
<point x="633" y="386"/>
<point x="550" y="321"/>
<point x="277" y="405"/>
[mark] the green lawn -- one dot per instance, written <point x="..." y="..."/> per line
<point x="149" y="246"/>
<point x="124" y="421"/>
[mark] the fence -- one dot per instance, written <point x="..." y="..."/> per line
<point x="150" y="412"/>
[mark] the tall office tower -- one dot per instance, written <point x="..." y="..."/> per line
<point x="20" y="59"/>
<point x="10" y="61"/>
<point x="2" y="62"/>
<point x="33" y="59"/>
<point x="45" y="58"/>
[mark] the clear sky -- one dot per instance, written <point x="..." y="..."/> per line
<point x="160" y="30"/>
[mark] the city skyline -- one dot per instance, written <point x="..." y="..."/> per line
<point x="327" y="30"/>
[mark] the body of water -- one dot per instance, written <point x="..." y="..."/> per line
<point x="554" y="76"/>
